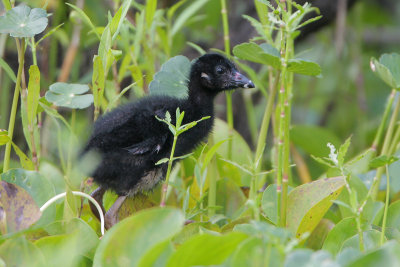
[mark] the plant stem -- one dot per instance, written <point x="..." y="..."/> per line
<point x="388" y="107"/>
<point x="229" y="110"/>
<point x="360" y="233"/>
<point x="385" y="148"/>
<point x="21" y="52"/>
<point x="7" y="4"/>
<point x="386" y="206"/>
<point x="165" y="185"/>
<point x="33" y="47"/>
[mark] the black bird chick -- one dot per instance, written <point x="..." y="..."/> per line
<point x="130" y="140"/>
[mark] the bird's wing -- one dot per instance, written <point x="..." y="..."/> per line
<point x="150" y="145"/>
<point x="140" y="133"/>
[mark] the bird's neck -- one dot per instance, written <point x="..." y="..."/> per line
<point x="199" y="95"/>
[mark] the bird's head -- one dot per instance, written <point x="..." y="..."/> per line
<point x="216" y="73"/>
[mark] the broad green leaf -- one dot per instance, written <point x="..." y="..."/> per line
<point x="305" y="67"/>
<point x="172" y="79"/>
<point x="306" y="257"/>
<point x="8" y="70"/>
<point x="313" y="139"/>
<point x="18" y="251"/>
<point x="268" y="203"/>
<point x="263" y="54"/>
<point x="308" y="203"/>
<point x="98" y="81"/>
<point x="147" y="228"/>
<point x="69" y="95"/>
<point x="388" y="69"/>
<point x="22" y="21"/>
<point x="38" y="187"/>
<point x="158" y="255"/>
<point x="26" y="163"/>
<point x="205" y="249"/>
<point x="393" y="216"/>
<point x="371" y="240"/>
<point x="382" y="161"/>
<point x="4" y="139"/>
<point x="17" y="207"/>
<point x="342" y="231"/>
<point x="33" y="92"/>
<point x="387" y="255"/>
<point x="318" y="236"/>
<point x="229" y="197"/>
<point x="254" y="252"/>
<point x="186" y="14"/>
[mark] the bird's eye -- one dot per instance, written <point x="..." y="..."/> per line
<point x="220" y="70"/>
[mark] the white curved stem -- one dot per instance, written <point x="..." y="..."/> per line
<point x="77" y="193"/>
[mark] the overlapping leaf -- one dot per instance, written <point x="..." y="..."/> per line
<point x="69" y="95"/>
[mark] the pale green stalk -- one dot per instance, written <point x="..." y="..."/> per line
<point x="165" y="185"/>
<point x="382" y="239"/>
<point x="21" y="52"/>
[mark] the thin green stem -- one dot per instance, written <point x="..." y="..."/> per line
<point x="360" y="233"/>
<point x="379" y="133"/>
<point x="385" y="147"/>
<point x="227" y="46"/>
<point x="21" y="52"/>
<point x="33" y="47"/>
<point x="395" y="142"/>
<point x="386" y="206"/>
<point x="165" y="185"/>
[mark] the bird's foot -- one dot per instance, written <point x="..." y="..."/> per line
<point x="111" y="216"/>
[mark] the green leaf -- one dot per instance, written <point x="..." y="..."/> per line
<point x="147" y="228"/>
<point x="371" y="240"/>
<point x="26" y="163"/>
<point x="161" y="161"/>
<point x="18" y="251"/>
<point x="98" y="81"/>
<point x="387" y="255"/>
<point x="210" y="153"/>
<point x="343" y="151"/>
<point x="33" y="92"/>
<point x="22" y="21"/>
<point x="229" y="197"/>
<point x="205" y="249"/>
<point x="254" y="252"/>
<point x="4" y="139"/>
<point x="84" y="18"/>
<point x="48" y="34"/>
<point x="305" y="67"/>
<point x="318" y="236"/>
<point x="263" y="54"/>
<point x="382" y="161"/>
<point x="186" y="14"/>
<point x="313" y="139"/>
<point x="69" y="95"/>
<point x="119" y="18"/>
<point x="268" y="203"/>
<point x="308" y="203"/>
<point x="172" y="79"/>
<point x="8" y="70"/>
<point x="18" y="210"/>
<point x="306" y="257"/>
<point x="342" y="231"/>
<point x="151" y="6"/>
<point x="388" y="69"/>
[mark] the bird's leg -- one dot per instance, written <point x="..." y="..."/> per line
<point x="112" y="213"/>
<point x="97" y="194"/>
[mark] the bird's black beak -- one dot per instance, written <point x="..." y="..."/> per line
<point x="239" y="80"/>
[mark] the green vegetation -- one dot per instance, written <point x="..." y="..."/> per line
<point x="301" y="197"/>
